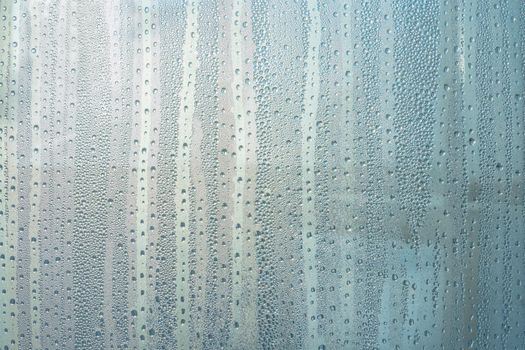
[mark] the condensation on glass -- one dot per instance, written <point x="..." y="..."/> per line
<point x="260" y="174"/>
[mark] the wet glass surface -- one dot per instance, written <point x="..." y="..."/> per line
<point x="260" y="174"/>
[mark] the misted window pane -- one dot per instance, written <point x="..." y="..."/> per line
<point x="262" y="174"/>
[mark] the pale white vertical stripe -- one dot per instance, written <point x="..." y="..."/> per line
<point x="113" y="24"/>
<point x="142" y="185"/>
<point x="182" y="185"/>
<point x="308" y="128"/>
<point x="71" y="109"/>
<point x="347" y="293"/>
<point x="34" y="196"/>
<point x="9" y="56"/>
<point x="389" y="308"/>
<point x="244" y="307"/>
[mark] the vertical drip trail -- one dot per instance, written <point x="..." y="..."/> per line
<point x="204" y="172"/>
<point x="348" y="208"/>
<point x="183" y="181"/>
<point x="447" y="111"/>
<point x="68" y="327"/>
<point x="486" y="107"/>
<point x="9" y="191"/>
<point x="56" y="176"/>
<point x="470" y="110"/>
<point x="243" y="249"/>
<point x="308" y="129"/>
<point x="49" y="126"/>
<point x="199" y="255"/>
<point x="240" y="171"/>
<point x="516" y="32"/>
<point x="505" y="169"/>
<point x="152" y="29"/>
<point x="389" y="308"/>
<point x="36" y="149"/>
<point x="113" y="272"/>
<point x="135" y="194"/>
<point x="5" y="273"/>
<point x="145" y="107"/>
